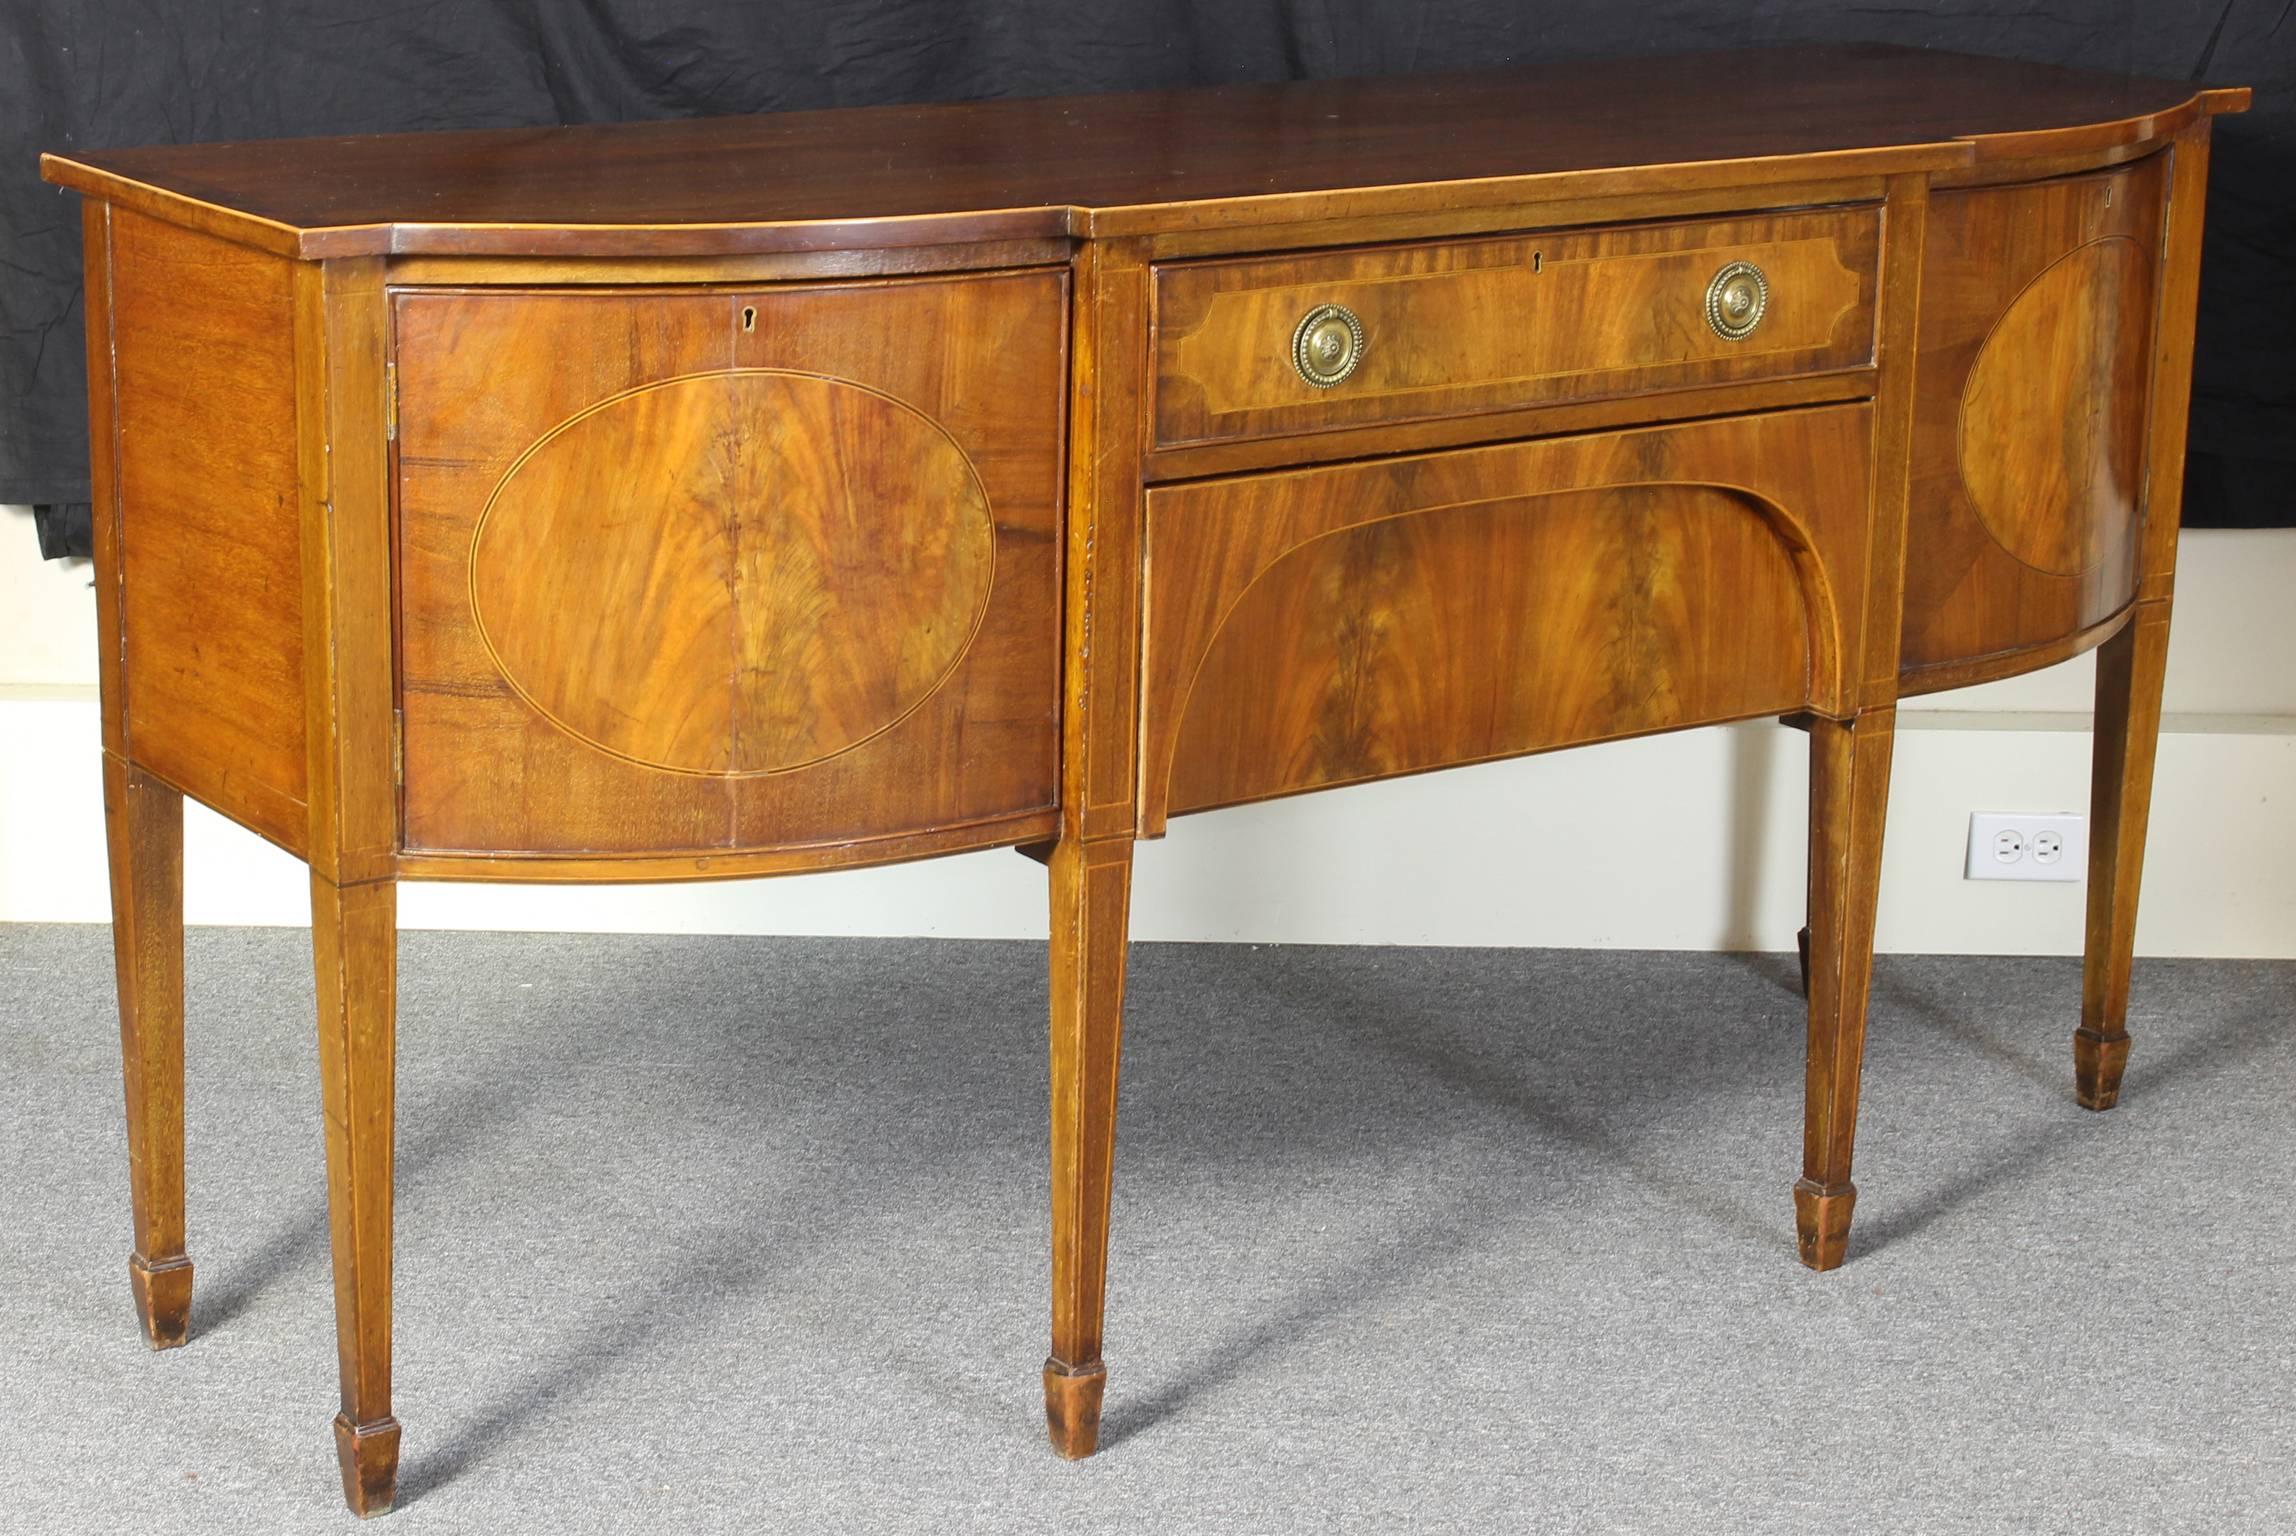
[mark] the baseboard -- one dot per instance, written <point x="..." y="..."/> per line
<point x="1691" y="841"/>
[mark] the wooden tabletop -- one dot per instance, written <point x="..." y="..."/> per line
<point x="1132" y="162"/>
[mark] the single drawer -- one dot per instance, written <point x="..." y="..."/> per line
<point x="1319" y="627"/>
<point x="689" y="570"/>
<point x="1271" y="346"/>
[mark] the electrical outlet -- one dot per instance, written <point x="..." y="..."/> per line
<point x="2027" y="845"/>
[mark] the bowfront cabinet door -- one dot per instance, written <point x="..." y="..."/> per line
<point x="2037" y="309"/>
<point x="1458" y="327"/>
<point x="694" y="570"/>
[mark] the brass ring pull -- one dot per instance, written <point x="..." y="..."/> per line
<point x="1736" y="300"/>
<point x="1327" y="344"/>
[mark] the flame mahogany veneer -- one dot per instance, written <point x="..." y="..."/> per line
<point x="702" y="499"/>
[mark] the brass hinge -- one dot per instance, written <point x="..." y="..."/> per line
<point x="390" y="402"/>
<point x="398" y="746"/>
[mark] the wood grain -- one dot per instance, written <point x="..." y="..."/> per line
<point x="208" y="530"/>
<point x="1136" y="163"/>
<point x="1897" y="425"/>
<point x="143" y="822"/>
<point x="143" y="828"/>
<point x="1546" y="210"/>
<point x="764" y="611"/>
<point x="743" y="571"/>
<point x="739" y="864"/>
<point x="354" y="936"/>
<point x="1091" y="885"/>
<point x="1850" y="766"/>
<point x="2131" y="668"/>
<point x="2029" y="421"/>
<point x="1089" y="862"/>
<point x="341" y="337"/>
<point x="1101" y="617"/>
<point x="738" y="497"/>
<point x="1330" y="626"/>
<point x="624" y="270"/>
<point x="105" y="535"/>
<point x="1335" y="445"/>
<point x="1849" y="800"/>
<point x="2133" y="665"/>
<point x="349" y="682"/>
<point x="2168" y="410"/>
<point x="2047" y="458"/>
<point x="1458" y="327"/>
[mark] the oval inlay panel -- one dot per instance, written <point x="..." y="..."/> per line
<point x="2052" y="415"/>
<point x="731" y="573"/>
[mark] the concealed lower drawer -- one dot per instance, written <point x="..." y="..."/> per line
<point x="1326" y="626"/>
<point x="1270" y="346"/>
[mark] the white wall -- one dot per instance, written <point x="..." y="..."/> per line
<point x="1691" y="841"/>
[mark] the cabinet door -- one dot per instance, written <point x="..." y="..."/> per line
<point x="2029" y="419"/>
<point x="1328" y="626"/>
<point x="693" y="570"/>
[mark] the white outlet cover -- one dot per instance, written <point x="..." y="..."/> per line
<point x="2033" y="831"/>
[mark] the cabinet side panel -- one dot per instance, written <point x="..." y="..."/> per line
<point x="2036" y="329"/>
<point x="209" y="534"/>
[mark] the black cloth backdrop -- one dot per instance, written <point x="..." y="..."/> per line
<point x="97" y="73"/>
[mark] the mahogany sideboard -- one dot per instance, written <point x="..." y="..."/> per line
<point x="705" y="499"/>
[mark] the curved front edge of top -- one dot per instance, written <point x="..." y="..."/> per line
<point x="2115" y="133"/>
<point x="331" y="242"/>
<point x="1233" y="156"/>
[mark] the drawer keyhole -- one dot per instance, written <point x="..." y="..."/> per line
<point x="748" y="318"/>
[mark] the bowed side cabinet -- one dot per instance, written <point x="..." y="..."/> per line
<point x="693" y="500"/>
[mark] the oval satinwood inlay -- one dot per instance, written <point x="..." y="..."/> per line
<point x="2052" y="416"/>
<point x="738" y="572"/>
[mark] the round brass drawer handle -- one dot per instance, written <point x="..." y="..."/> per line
<point x="1736" y="300"/>
<point x="1327" y="344"/>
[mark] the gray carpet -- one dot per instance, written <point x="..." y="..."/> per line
<point x="749" y="1235"/>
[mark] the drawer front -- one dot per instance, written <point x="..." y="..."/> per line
<point x="687" y="570"/>
<point x="1328" y="626"/>
<point x="1458" y="327"/>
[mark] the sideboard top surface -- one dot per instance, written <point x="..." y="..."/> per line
<point x="1135" y="162"/>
